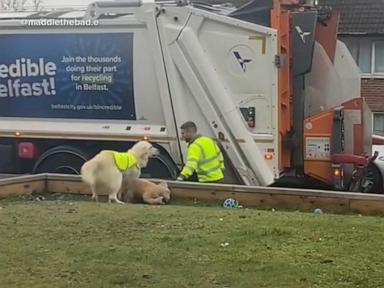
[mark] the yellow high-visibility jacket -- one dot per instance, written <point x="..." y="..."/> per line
<point x="204" y="157"/>
<point x="123" y="160"/>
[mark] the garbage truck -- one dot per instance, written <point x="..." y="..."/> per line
<point x="269" y="81"/>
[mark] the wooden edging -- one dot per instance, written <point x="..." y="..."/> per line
<point x="19" y="185"/>
<point x="263" y="197"/>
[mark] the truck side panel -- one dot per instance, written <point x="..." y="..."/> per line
<point x="120" y="110"/>
<point x="139" y="87"/>
<point x="66" y="75"/>
<point x="224" y="70"/>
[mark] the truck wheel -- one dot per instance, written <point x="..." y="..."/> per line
<point x="160" y="167"/>
<point x="373" y="182"/>
<point x="62" y="160"/>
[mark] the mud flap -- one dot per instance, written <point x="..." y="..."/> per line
<point x="7" y="162"/>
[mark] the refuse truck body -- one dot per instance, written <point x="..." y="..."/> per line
<point x="269" y="81"/>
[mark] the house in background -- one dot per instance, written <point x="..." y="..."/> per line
<point x="362" y="30"/>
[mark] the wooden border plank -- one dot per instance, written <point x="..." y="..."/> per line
<point x="68" y="186"/>
<point x="267" y="200"/>
<point x="262" y="197"/>
<point x="22" y="185"/>
<point x="367" y="207"/>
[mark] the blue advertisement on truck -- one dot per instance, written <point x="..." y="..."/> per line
<point x="78" y="76"/>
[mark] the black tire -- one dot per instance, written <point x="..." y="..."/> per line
<point x="62" y="160"/>
<point x="373" y="182"/>
<point x="160" y="167"/>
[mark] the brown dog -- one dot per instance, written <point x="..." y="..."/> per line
<point x="144" y="191"/>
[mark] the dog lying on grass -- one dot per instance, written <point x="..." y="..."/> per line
<point x="144" y="191"/>
<point x="106" y="171"/>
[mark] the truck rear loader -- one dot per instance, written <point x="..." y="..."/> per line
<point x="269" y="80"/>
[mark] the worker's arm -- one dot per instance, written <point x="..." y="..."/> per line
<point x="193" y="158"/>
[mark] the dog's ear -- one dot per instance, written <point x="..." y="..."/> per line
<point x="163" y="184"/>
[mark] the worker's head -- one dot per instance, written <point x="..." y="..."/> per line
<point x="188" y="131"/>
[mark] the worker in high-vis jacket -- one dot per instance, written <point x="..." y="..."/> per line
<point x="203" y="156"/>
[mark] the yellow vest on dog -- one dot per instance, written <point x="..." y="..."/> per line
<point x="123" y="160"/>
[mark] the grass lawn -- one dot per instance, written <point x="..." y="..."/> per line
<point x="77" y="243"/>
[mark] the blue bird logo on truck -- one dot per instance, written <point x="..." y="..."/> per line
<point x="243" y="62"/>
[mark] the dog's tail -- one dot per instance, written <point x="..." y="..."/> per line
<point x="88" y="172"/>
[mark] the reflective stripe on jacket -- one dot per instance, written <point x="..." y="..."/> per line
<point x="123" y="160"/>
<point x="204" y="157"/>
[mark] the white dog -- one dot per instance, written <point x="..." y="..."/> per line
<point x="106" y="171"/>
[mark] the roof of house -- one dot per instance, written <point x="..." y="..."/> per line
<point x="359" y="16"/>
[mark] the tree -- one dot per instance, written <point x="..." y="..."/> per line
<point x="37" y="5"/>
<point x="5" y="5"/>
<point x="20" y="5"/>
